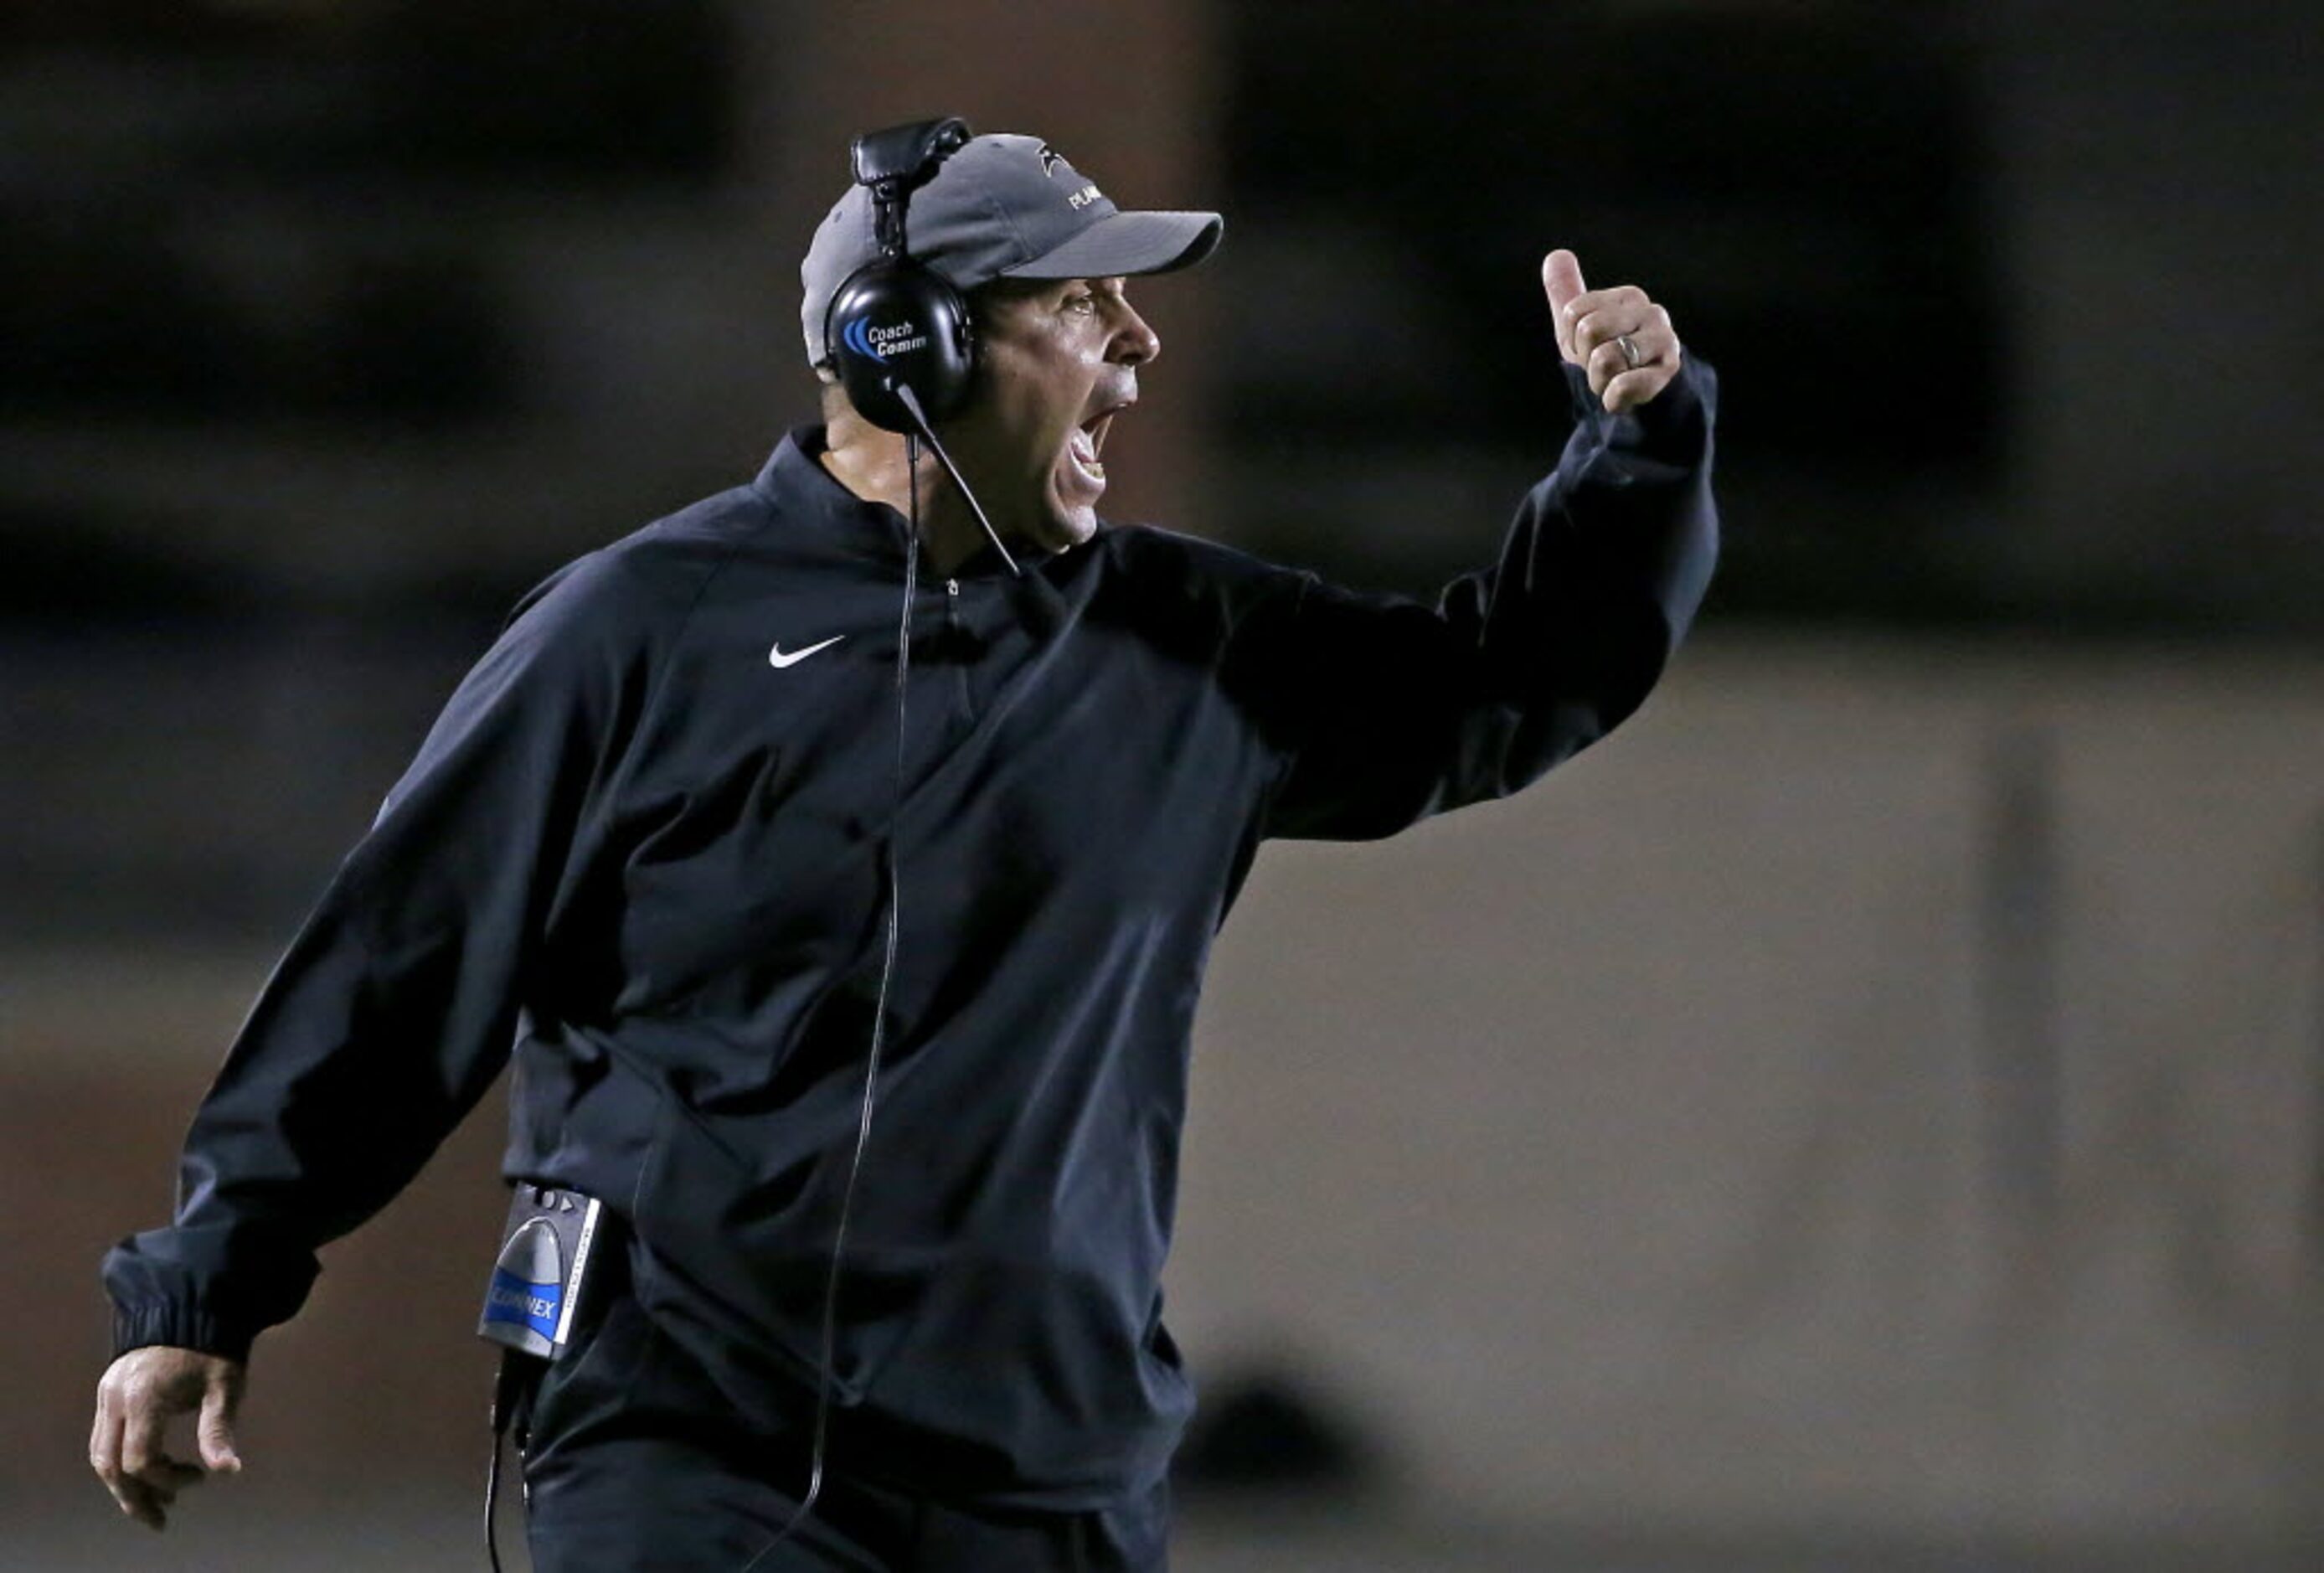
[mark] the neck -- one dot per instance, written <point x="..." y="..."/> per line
<point x="871" y="463"/>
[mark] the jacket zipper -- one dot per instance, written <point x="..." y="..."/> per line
<point x="952" y="629"/>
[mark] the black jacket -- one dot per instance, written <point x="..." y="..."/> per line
<point x="654" y="861"/>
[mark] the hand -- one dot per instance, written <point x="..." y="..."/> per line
<point x="1591" y="325"/>
<point x="142" y="1392"/>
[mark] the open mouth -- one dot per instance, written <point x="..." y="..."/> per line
<point x="1088" y="441"/>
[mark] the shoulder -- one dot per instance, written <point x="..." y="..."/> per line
<point x="1188" y="594"/>
<point x="649" y="579"/>
<point x="1147" y="557"/>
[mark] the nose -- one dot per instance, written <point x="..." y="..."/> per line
<point x="1133" y="343"/>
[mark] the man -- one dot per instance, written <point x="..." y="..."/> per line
<point x="676" y="837"/>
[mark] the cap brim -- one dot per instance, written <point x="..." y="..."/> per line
<point x="1127" y="244"/>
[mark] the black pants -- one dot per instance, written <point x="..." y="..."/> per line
<point x="633" y="1462"/>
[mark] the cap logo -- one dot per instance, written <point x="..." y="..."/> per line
<point x="1048" y="160"/>
<point x="875" y="342"/>
<point x="1084" y="197"/>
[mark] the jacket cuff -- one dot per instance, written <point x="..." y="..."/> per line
<point x="180" y="1328"/>
<point x="1672" y="426"/>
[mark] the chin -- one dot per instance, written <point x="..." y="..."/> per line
<point x="1065" y="525"/>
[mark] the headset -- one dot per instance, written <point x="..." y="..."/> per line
<point x="896" y="323"/>
<point x="898" y="332"/>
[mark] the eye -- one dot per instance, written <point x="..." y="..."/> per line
<point x="1081" y="301"/>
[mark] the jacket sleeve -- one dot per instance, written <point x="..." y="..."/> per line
<point x="395" y="1006"/>
<point x="1394" y="709"/>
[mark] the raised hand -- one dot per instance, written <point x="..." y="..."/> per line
<point x="1618" y="336"/>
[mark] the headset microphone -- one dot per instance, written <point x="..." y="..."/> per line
<point x="901" y="340"/>
<point x="899" y="335"/>
<point x="911" y="404"/>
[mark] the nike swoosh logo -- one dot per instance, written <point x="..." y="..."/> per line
<point x="778" y="660"/>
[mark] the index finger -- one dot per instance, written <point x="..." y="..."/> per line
<point x="133" y="1496"/>
<point x="144" y="1425"/>
<point x="105" y="1436"/>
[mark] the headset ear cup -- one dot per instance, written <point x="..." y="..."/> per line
<point x="898" y="322"/>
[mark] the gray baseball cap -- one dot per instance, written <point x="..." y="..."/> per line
<point x="1002" y="207"/>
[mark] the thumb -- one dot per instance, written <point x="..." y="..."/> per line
<point x="214" y="1431"/>
<point x="1561" y="281"/>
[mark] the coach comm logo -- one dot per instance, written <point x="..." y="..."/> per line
<point x="878" y="343"/>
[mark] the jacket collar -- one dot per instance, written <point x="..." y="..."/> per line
<point x="805" y="496"/>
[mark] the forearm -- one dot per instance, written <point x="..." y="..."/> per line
<point x="394" y="1009"/>
<point x="1611" y="557"/>
<point x="347" y="1075"/>
<point x="1398" y="710"/>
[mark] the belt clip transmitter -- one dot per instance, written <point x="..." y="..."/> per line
<point x="537" y="1278"/>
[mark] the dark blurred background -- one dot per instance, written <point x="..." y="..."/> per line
<point x="1902" y="1090"/>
